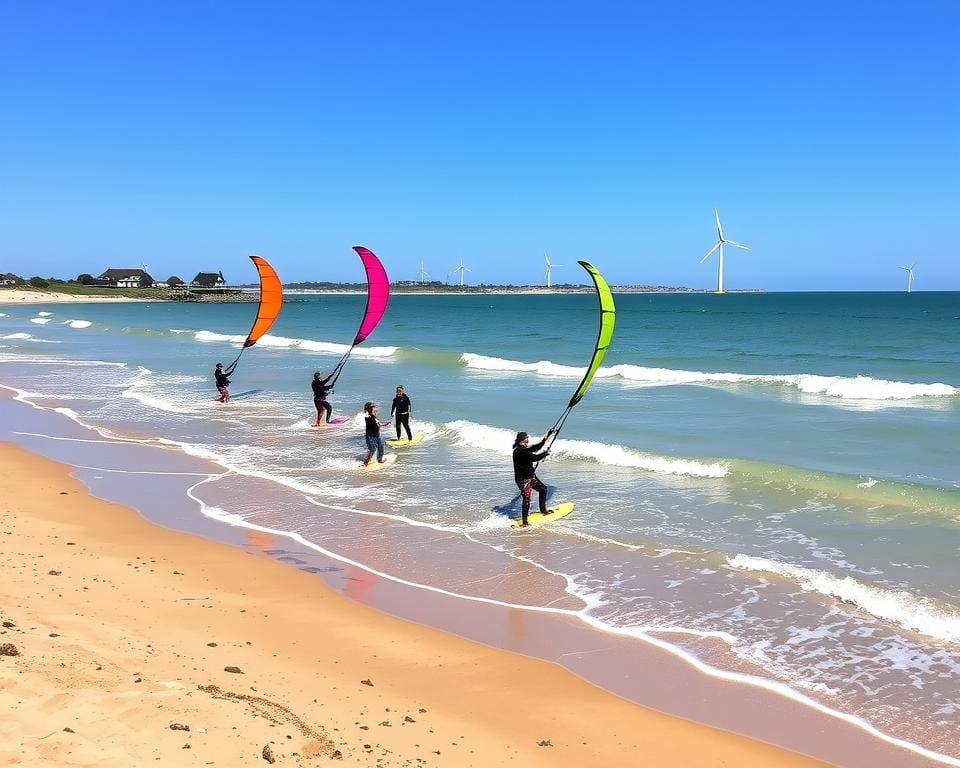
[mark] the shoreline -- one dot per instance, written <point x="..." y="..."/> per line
<point x="147" y="620"/>
<point x="642" y="672"/>
<point x="16" y="297"/>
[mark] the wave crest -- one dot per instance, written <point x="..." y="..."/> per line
<point x="844" y="387"/>
<point x="500" y="440"/>
<point x="910" y="611"/>
<point x="308" y="345"/>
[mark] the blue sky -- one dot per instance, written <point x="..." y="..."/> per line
<point x="187" y="135"/>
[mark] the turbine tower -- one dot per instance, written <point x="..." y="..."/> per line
<point x="423" y="274"/>
<point x="719" y="246"/>
<point x="909" y="277"/>
<point x="461" y="269"/>
<point x="550" y="267"/>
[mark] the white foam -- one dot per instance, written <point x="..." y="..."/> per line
<point x="307" y="345"/>
<point x="501" y="441"/>
<point x="843" y="387"/>
<point x="44" y="314"/>
<point x="16" y="336"/>
<point x="4" y="314"/>
<point x="40" y="320"/>
<point x="910" y="611"/>
<point x="78" y="323"/>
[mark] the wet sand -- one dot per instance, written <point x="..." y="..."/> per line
<point x="124" y="628"/>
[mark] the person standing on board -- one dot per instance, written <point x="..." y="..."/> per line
<point x="322" y="388"/>
<point x="400" y="410"/>
<point x="220" y="376"/>
<point x="525" y="474"/>
<point x="374" y="440"/>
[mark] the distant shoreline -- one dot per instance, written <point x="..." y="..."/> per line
<point x="20" y="296"/>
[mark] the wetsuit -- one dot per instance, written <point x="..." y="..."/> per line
<point x="320" y="391"/>
<point x="525" y="475"/>
<point x="401" y="412"/>
<point x="374" y="441"/>
<point x="221" y="377"/>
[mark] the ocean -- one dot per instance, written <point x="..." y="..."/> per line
<point x="768" y="483"/>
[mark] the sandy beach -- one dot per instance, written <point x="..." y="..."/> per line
<point x="134" y="643"/>
<point x="9" y="296"/>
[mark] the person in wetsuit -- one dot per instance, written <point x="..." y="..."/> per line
<point x="322" y="388"/>
<point x="400" y="410"/>
<point x="374" y="440"/>
<point x="220" y="376"/>
<point x="525" y="474"/>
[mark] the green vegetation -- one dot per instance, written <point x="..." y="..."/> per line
<point x="72" y="287"/>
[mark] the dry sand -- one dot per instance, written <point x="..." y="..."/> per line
<point x="16" y="296"/>
<point x="124" y="629"/>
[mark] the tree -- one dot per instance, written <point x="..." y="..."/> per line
<point x="86" y="279"/>
<point x="39" y="282"/>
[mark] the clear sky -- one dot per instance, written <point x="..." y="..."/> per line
<point x="185" y="135"/>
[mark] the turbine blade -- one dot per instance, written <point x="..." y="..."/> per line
<point x="709" y="253"/>
<point x="737" y="245"/>
<point x="719" y="228"/>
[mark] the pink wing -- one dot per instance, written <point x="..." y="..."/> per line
<point x="378" y="292"/>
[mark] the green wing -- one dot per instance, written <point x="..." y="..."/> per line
<point x="608" y="314"/>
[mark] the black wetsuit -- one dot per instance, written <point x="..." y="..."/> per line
<point x="401" y="412"/>
<point x="374" y="441"/>
<point x="320" y="391"/>
<point x="221" y="376"/>
<point x="525" y="475"/>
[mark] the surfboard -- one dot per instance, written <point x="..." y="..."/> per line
<point x="337" y="422"/>
<point x="388" y="459"/>
<point x="403" y="442"/>
<point x="555" y="512"/>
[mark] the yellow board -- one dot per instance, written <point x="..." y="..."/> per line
<point x="388" y="459"/>
<point x="562" y="509"/>
<point x="417" y="437"/>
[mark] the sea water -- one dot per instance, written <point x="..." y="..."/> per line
<point x="769" y="482"/>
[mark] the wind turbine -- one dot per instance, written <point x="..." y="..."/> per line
<point x="720" y="243"/>
<point x="423" y="274"/>
<point x="909" y="277"/>
<point x="461" y="269"/>
<point x="549" y="267"/>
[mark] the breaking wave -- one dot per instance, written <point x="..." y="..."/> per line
<point x="500" y="440"/>
<point x="844" y="387"/>
<point x="307" y="345"/>
<point x="898" y="606"/>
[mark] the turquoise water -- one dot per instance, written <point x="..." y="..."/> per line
<point x="769" y="480"/>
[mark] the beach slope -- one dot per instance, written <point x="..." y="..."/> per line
<point x="136" y="645"/>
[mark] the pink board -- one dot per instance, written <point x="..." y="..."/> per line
<point x="337" y="422"/>
<point x="378" y="292"/>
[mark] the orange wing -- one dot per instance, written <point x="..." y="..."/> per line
<point x="271" y="300"/>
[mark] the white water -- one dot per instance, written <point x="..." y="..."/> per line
<point x="844" y="387"/>
<point x="898" y="606"/>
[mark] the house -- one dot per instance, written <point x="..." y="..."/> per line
<point x="174" y="282"/>
<point x="127" y="278"/>
<point x="9" y="279"/>
<point x="208" y="280"/>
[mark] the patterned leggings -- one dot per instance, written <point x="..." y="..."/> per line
<point x="527" y="487"/>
